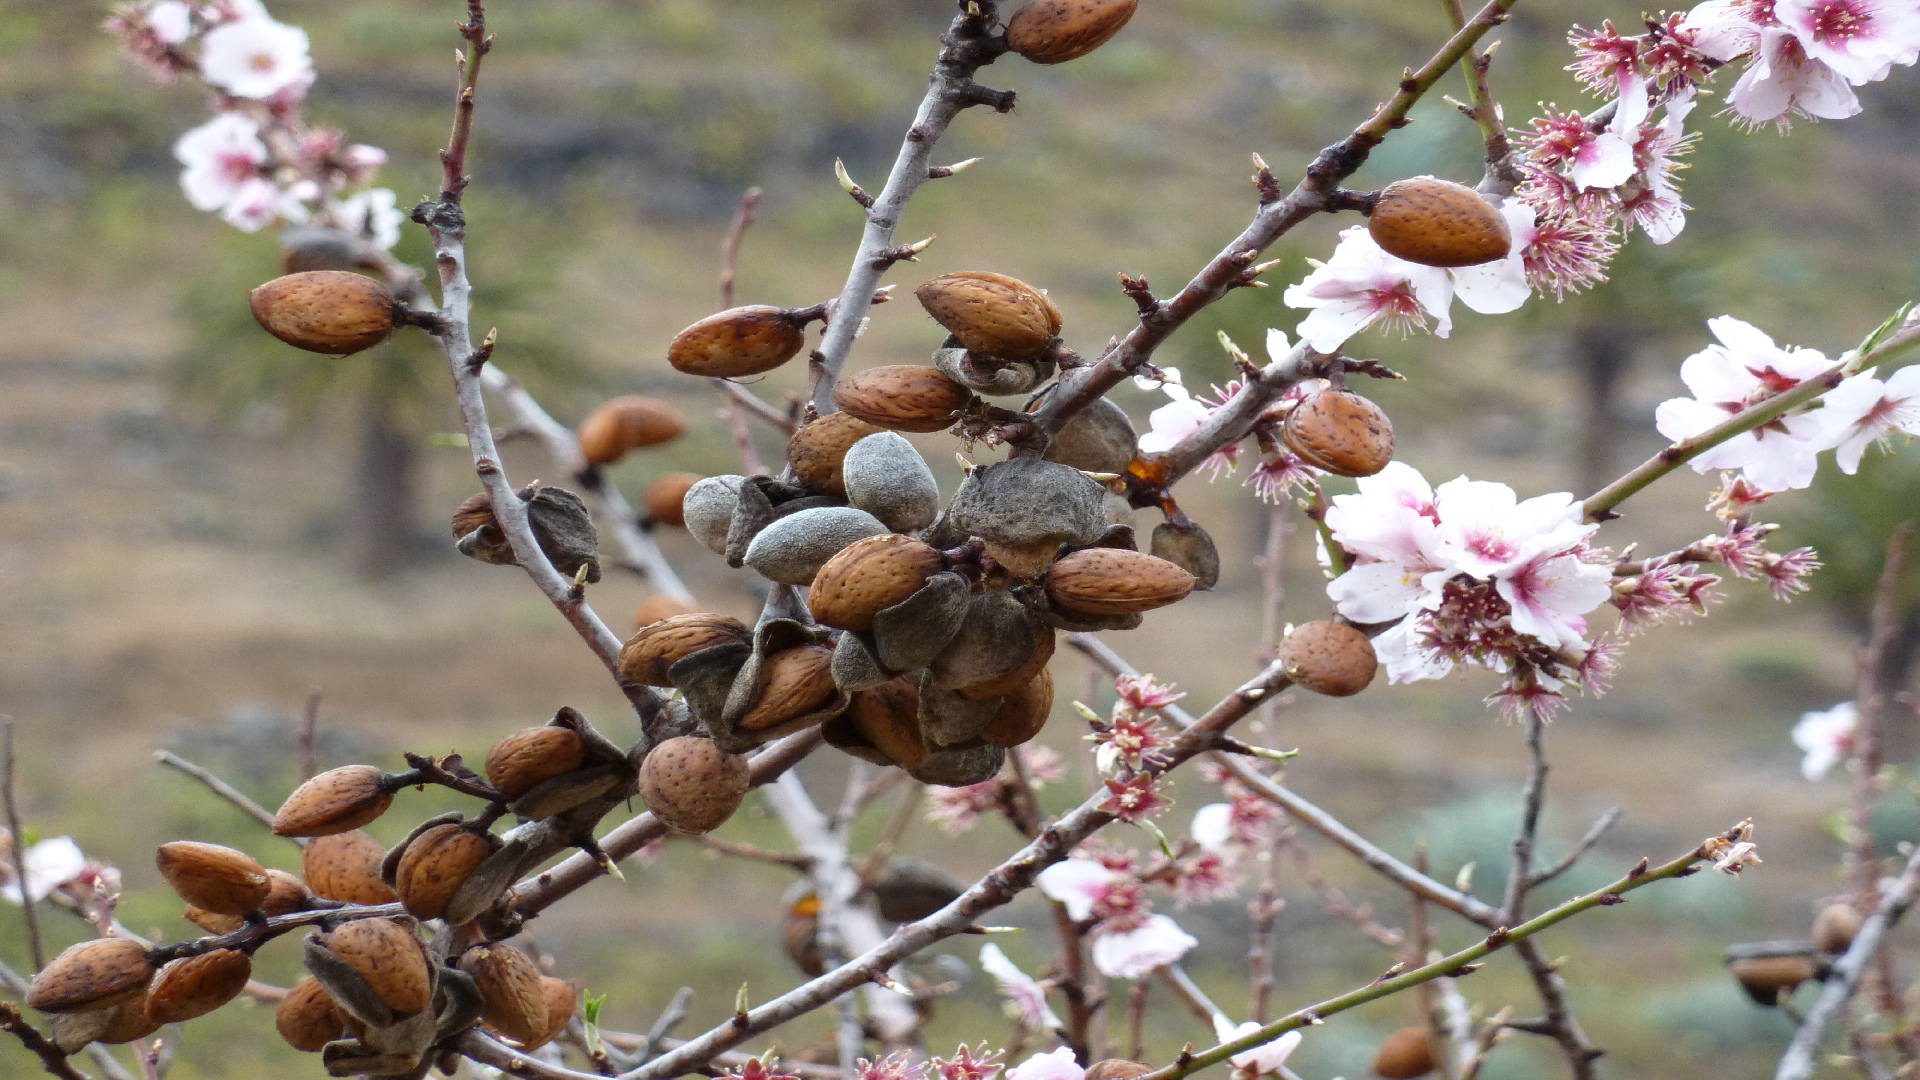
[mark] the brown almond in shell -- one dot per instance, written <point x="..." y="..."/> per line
<point x="1329" y="658"/>
<point x="817" y="452"/>
<point x="1024" y="712"/>
<point x="1056" y="31"/>
<point x="1404" y="1055"/>
<point x="194" y="986"/>
<point x="1438" y="223"/>
<point x="648" y="654"/>
<point x="528" y="757"/>
<point x="1117" y="1069"/>
<point x="435" y="865"/>
<point x="739" y="341"/>
<point x="799" y="680"/>
<point x="1114" y="581"/>
<point x="666" y="498"/>
<point x="388" y="955"/>
<point x="693" y="785"/>
<point x="868" y="576"/>
<point x="1835" y="927"/>
<point x="286" y="894"/>
<point x="993" y="315"/>
<point x="903" y="397"/>
<point x="888" y="717"/>
<point x="212" y="877"/>
<point x="307" y="1018"/>
<point x="212" y="921"/>
<point x="515" y="1002"/>
<point x="96" y="974"/>
<point x="1341" y="432"/>
<point x="655" y="608"/>
<point x="336" y="312"/>
<point x="346" y="867"/>
<point x="335" y="801"/>
<point x="627" y="423"/>
<point x="559" y="995"/>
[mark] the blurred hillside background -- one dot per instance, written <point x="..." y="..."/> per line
<point x="186" y="549"/>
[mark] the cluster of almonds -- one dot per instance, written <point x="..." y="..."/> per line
<point x="1769" y="971"/>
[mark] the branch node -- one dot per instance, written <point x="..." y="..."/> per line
<point x="1000" y="101"/>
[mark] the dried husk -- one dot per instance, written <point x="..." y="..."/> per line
<point x="1022" y="713"/>
<point x="854" y="665"/>
<point x="1026" y="509"/>
<point x="998" y="638"/>
<point x="123" y="1023"/>
<point x="707" y="510"/>
<point x="1098" y="438"/>
<point x="799" y="680"/>
<point x="791" y="549"/>
<point x="1189" y="548"/>
<point x="961" y="768"/>
<point x="561" y="526"/>
<point x="993" y="377"/>
<point x="948" y="720"/>
<point x="910" y="634"/>
<point x="911" y="889"/>
<point x="770" y="639"/>
<point x="564" y="792"/>
<point x="885" y="476"/>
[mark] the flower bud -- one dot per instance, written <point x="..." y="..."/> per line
<point x="692" y="785"/>
<point x="336" y="801"/>
<point x="325" y="311"/>
<point x="739" y="341"/>
<point x="627" y="423"/>
<point x="213" y="878"/>
<point x="1438" y="223"/>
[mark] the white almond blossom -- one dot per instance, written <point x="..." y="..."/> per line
<point x="50" y="864"/>
<point x="1077" y="883"/>
<point x="1826" y="738"/>
<point x="222" y="157"/>
<point x="372" y="215"/>
<point x="1861" y="40"/>
<point x="255" y="57"/>
<point x="1362" y="285"/>
<point x="1179" y="418"/>
<point x="1026" y="999"/>
<point x="1056" y="1064"/>
<point x="1864" y="410"/>
<point x="170" y="20"/>
<point x="1261" y="1060"/>
<point x="1746" y="367"/>
<point x="1131" y="954"/>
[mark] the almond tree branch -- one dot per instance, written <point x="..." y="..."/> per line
<point x="1870" y="702"/>
<point x="1593" y="834"/>
<point x="52" y="1058"/>
<point x="102" y="1057"/>
<point x="967" y="46"/>
<point x="998" y="887"/>
<point x="17" y="842"/>
<point x="218" y="786"/>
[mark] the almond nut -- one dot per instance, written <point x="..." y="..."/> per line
<point x="993" y="315"/>
<point x="286" y="894"/>
<point x="647" y="655"/>
<point x="213" y="878"/>
<point x="515" y="1004"/>
<point x="693" y="785"/>
<point x="1438" y="223"/>
<point x="627" y="423"/>
<point x="1023" y="713"/>
<point x="1329" y="658"/>
<point x="818" y="451"/>
<point x="531" y="756"/>
<point x="793" y="548"/>
<point x="336" y="801"/>
<point x="96" y="974"/>
<point x="887" y="477"/>
<point x="799" y="680"/>
<point x="1114" y="581"/>
<point x="387" y="954"/>
<point x="1766" y="978"/>
<point x="559" y="995"/>
<point x="212" y="922"/>
<point x="868" y="576"/>
<point x="325" y="311"/>
<point x="662" y="606"/>
<point x="739" y="341"/>
<point x="346" y="867"/>
<point x="1056" y="31"/>
<point x="307" y="1018"/>
<point x="666" y="497"/>
<point x="1117" y="1069"/>
<point x="434" y="866"/>
<point x="196" y="985"/>
<point x="1341" y="432"/>
<point x="903" y="397"/>
<point x="1835" y="927"/>
<point x="888" y="717"/>
<point x="1403" y="1055"/>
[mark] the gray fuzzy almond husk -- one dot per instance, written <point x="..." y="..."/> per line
<point x="1086" y="624"/>
<point x="996" y="378"/>
<point x="770" y="637"/>
<point x="752" y="512"/>
<point x="345" y="985"/>
<point x="888" y="478"/>
<point x="708" y="509"/>
<point x="841" y="734"/>
<point x="561" y="525"/>
<point x="73" y="1031"/>
<point x="961" y="768"/>
<point x="949" y="720"/>
<point x="407" y="1037"/>
<point x="912" y="632"/>
<point x="487" y="883"/>
<point x="1025" y="501"/>
<point x="458" y="1004"/>
<point x="855" y="667"/>
<point x="1190" y="549"/>
<point x="351" y="1057"/>
<point x="705" y="678"/>
<point x="995" y="639"/>
<point x="1120" y="536"/>
<point x="559" y="794"/>
<point x="792" y="549"/>
<point x="1099" y="438"/>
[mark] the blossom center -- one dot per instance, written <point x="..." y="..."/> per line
<point x="1841" y="21"/>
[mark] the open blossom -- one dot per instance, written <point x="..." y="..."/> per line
<point x="1057" y="1064"/>
<point x="50" y="864"/>
<point x="1500" y="286"/>
<point x="1746" y="367"/>
<point x="373" y="216"/>
<point x="1076" y="883"/>
<point x="1261" y="1060"/>
<point x="1860" y="40"/>
<point x="1572" y="236"/>
<point x="1826" y="738"/>
<point x="1131" y="954"/>
<point x="1864" y="410"/>
<point x="1026" y="999"/>
<point x="222" y="157"/>
<point x="255" y="58"/>
<point x="1179" y="418"/>
<point x="1132" y="740"/>
<point x="1603" y="59"/>
<point x="968" y="1064"/>
<point x="1783" y="79"/>
<point x="1650" y="199"/>
<point x="1362" y="285"/>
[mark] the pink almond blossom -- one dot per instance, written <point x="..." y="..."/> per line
<point x="1131" y="954"/>
<point x="222" y="157"/>
<point x="50" y="864"/>
<point x="1266" y="1058"/>
<point x="255" y="58"/>
<point x="1860" y="40"/>
<point x="1782" y="79"/>
<point x="1745" y="368"/>
<point x="1056" y="1064"/>
<point x="1078" y="884"/>
<point x="1863" y="410"/>
<point x="1026" y="999"/>
<point x="1826" y="738"/>
<point x="1361" y="286"/>
<point x="968" y="1064"/>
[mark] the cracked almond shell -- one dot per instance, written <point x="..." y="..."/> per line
<point x="335" y="801"/>
<point x="693" y="785"/>
<point x="1329" y="658"/>
<point x="1438" y="223"/>
<point x="648" y="654"/>
<point x="346" y="867"/>
<point x="739" y="341"/>
<point x="1341" y="432"/>
<point x="903" y="397"/>
<point x="307" y="1017"/>
<point x="336" y="312"/>
<point x="817" y="452"/>
<point x="627" y="423"/>
<point x="514" y="1002"/>
<point x="1114" y="581"/>
<point x="1404" y="1055"/>
<point x="993" y="315"/>
<point x="435" y="865"/>
<point x="1023" y="713"/>
<point x="665" y="498"/>
<point x="1056" y="31"/>
<point x="867" y="577"/>
<point x="213" y="878"/>
<point x="387" y="954"/>
<point x="531" y="756"/>
<point x="96" y="974"/>
<point x="799" y="681"/>
<point x="194" y="986"/>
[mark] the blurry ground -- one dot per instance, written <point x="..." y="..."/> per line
<point x="173" y="582"/>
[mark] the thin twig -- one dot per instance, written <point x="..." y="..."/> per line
<point x="1137" y="1018"/>
<point x="1264" y="910"/>
<point x="1189" y="991"/>
<point x="218" y="786"/>
<point x="1870" y="704"/>
<point x="52" y="1058"/>
<point x="29" y="910"/>
<point x="663" y="1026"/>
<point x="1593" y="834"/>
<point x="730" y="244"/>
<point x="749" y="851"/>
<point x="304" y="738"/>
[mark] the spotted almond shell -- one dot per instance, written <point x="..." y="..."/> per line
<point x="1438" y="223"/>
<point x="336" y="801"/>
<point x="656" y="647"/>
<point x="1056" y="31"/>
<point x="627" y="423"/>
<point x="869" y="576"/>
<point x="531" y="756"/>
<point x="1341" y="432"/>
<point x="993" y="315"/>
<point x="818" y="451"/>
<point x="739" y="341"/>
<point x="799" y="680"/>
<point x="903" y="397"/>
<point x="346" y="867"/>
<point x="1329" y="658"/>
<point x="887" y="716"/>
<point x="1023" y="713"/>
<point x="214" y="878"/>
<point x="389" y="956"/>
<point x="307" y="1018"/>
<point x="435" y="865"/>
<point x="514" y="1002"/>
<point x="96" y="974"/>
<point x="325" y="311"/>
<point x="196" y="985"/>
<point x="1114" y="581"/>
<point x="693" y="785"/>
